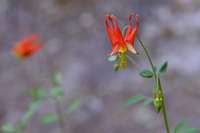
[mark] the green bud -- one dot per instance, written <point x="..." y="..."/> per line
<point x="158" y="103"/>
<point x="116" y="67"/>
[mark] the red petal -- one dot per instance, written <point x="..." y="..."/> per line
<point x="111" y="32"/>
<point x="115" y="50"/>
<point x="130" y="26"/>
<point x="30" y="39"/>
<point x="119" y="33"/>
<point x="131" y="35"/>
<point x="35" y="47"/>
<point x="114" y="28"/>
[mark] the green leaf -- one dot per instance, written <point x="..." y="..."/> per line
<point x="112" y="57"/>
<point x="8" y="127"/>
<point x="116" y="67"/>
<point x="57" y="92"/>
<point x="190" y="130"/>
<point x="49" y="117"/>
<point x="146" y="73"/>
<point x="74" y="105"/>
<point x="148" y="101"/>
<point x="20" y="128"/>
<point x="31" y="110"/>
<point x="132" y="100"/>
<point x="180" y="125"/>
<point x="38" y="92"/>
<point x="163" y="67"/>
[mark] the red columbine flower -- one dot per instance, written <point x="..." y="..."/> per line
<point x="27" y="47"/>
<point x="119" y="43"/>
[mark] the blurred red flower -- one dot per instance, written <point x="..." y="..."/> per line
<point x="27" y="46"/>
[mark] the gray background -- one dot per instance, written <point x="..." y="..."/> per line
<point x="77" y="43"/>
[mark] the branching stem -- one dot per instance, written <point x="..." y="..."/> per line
<point x="155" y="76"/>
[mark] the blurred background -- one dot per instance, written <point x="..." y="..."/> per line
<point x="77" y="43"/>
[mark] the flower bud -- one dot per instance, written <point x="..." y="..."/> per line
<point x="158" y="100"/>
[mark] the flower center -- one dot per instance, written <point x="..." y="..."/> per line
<point x="122" y="49"/>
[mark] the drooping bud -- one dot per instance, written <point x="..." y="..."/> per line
<point x="158" y="100"/>
<point x="116" y="67"/>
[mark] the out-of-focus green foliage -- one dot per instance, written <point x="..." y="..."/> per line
<point x="181" y="124"/>
<point x="148" y="101"/>
<point x="135" y="99"/>
<point x="77" y="103"/>
<point x="39" y="93"/>
<point x="132" y="100"/>
<point x="56" y="92"/>
<point x="8" y="127"/>
<point x="49" y="117"/>
<point x="32" y="108"/>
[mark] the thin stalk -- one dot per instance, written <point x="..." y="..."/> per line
<point x="15" y="130"/>
<point x="59" y="111"/>
<point x="138" y="69"/>
<point x="155" y="76"/>
<point x="60" y="115"/>
<point x="147" y="54"/>
<point x="163" y="105"/>
<point x="165" y="116"/>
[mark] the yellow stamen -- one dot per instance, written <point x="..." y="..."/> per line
<point x="122" y="49"/>
<point x="123" y="61"/>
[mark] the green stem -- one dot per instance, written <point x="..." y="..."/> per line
<point x="60" y="115"/>
<point x="147" y="54"/>
<point x="15" y="130"/>
<point x="58" y="105"/>
<point x="155" y="76"/>
<point x="59" y="111"/>
<point x="165" y="116"/>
